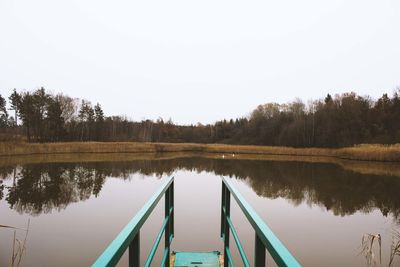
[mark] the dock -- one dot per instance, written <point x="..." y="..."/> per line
<point x="196" y="259"/>
<point x="129" y="237"/>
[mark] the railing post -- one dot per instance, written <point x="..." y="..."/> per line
<point x="173" y="209"/>
<point x="168" y="226"/>
<point x="134" y="251"/>
<point x="259" y="252"/>
<point x="227" y="197"/>
<point x="222" y="209"/>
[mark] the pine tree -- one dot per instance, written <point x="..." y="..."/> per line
<point x="3" y="113"/>
<point x="55" y="121"/>
<point x="15" y="101"/>
<point x="99" y="121"/>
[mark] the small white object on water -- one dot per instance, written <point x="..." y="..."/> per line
<point x="223" y="156"/>
<point x="233" y="154"/>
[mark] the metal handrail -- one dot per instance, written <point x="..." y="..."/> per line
<point x="130" y="235"/>
<point x="265" y="239"/>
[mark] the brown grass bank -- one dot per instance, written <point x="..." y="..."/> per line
<point x="364" y="167"/>
<point x="382" y="153"/>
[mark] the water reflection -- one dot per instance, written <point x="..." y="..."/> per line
<point x="42" y="188"/>
<point x="1" y="189"/>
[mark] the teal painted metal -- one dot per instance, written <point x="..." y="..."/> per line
<point x="129" y="236"/>
<point x="237" y="240"/>
<point x="259" y="252"/>
<point x="226" y="207"/>
<point x="192" y="259"/>
<point x="165" y="257"/>
<point x="228" y="257"/>
<point x="134" y="251"/>
<point x="157" y="241"/>
<point x="264" y="237"/>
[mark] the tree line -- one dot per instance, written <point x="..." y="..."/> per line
<point x="335" y="121"/>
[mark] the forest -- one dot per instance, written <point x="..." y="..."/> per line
<point x="333" y="121"/>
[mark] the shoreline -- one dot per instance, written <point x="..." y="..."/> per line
<point x="373" y="153"/>
<point x="364" y="167"/>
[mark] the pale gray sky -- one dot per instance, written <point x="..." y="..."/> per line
<point x="199" y="61"/>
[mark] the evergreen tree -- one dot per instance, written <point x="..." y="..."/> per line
<point x="99" y="121"/>
<point x="86" y="119"/>
<point x="40" y="103"/>
<point x="15" y="101"/>
<point x="55" y="121"/>
<point x="99" y="114"/>
<point x="26" y="113"/>
<point x="3" y="113"/>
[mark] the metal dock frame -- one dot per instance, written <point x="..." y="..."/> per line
<point x="265" y="239"/>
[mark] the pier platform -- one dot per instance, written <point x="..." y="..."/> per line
<point x="196" y="259"/>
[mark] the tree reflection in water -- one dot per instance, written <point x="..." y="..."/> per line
<point x="1" y="189"/>
<point x="41" y="188"/>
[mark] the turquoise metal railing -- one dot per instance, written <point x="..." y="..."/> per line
<point x="265" y="239"/>
<point x="130" y="235"/>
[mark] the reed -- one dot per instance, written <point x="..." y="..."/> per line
<point x="367" y="248"/>
<point x="371" y="152"/>
<point x="383" y="153"/>
<point x="18" y="246"/>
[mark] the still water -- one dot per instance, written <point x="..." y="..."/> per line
<point x="320" y="211"/>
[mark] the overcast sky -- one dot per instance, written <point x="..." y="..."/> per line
<point x="199" y="60"/>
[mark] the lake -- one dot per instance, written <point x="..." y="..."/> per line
<point x="76" y="205"/>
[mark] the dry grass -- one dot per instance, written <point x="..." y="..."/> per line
<point x="18" y="246"/>
<point x="90" y="157"/>
<point x="395" y="247"/>
<point x="367" y="248"/>
<point x="371" y="152"/>
<point x="383" y="153"/>
<point x="365" y="167"/>
<point x="367" y="159"/>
